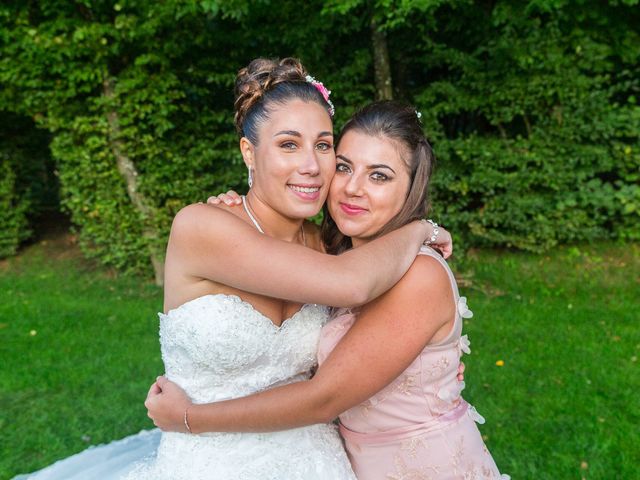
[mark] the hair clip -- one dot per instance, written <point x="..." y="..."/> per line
<point x="323" y="91"/>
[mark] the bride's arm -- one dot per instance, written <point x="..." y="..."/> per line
<point x="208" y="242"/>
<point x="385" y="339"/>
<point x="443" y="243"/>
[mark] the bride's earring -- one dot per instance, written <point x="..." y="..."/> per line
<point x="250" y="177"/>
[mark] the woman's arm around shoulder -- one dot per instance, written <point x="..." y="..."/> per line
<point x="385" y="339"/>
<point x="388" y="335"/>
<point x="210" y="243"/>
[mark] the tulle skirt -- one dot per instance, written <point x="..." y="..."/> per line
<point x="109" y="461"/>
<point x="308" y="453"/>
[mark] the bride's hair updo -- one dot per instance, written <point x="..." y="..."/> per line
<point x="264" y="83"/>
<point x="399" y="123"/>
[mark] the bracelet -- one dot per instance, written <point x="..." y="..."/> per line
<point x="186" y="420"/>
<point x="434" y="236"/>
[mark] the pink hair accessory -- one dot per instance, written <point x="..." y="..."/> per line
<point x="323" y="91"/>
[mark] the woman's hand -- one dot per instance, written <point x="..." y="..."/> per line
<point x="166" y="403"/>
<point x="443" y="241"/>
<point x="461" y="372"/>
<point x="229" y="198"/>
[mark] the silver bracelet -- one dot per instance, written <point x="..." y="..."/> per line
<point x="186" y="421"/>
<point x="434" y="236"/>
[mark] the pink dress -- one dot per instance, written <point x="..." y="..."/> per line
<point x="418" y="427"/>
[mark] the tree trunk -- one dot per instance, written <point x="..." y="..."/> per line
<point x="130" y="175"/>
<point x="382" y="69"/>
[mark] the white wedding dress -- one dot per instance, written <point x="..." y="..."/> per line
<point x="218" y="347"/>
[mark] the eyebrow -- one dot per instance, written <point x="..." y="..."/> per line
<point x="369" y="167"/>
<point x="293" y="133"/>
<point x="288" y="132"/>
<point x="380" y="165"/>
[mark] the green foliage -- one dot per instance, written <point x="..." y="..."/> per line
<point x="531" y="106"/>
<point x="56" y="64"/>
<point x="537" y="127"/>
<point x="13" y="210"/>
<point x="28" y="189"/>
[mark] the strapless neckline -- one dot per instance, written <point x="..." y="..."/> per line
<point x="239" y="301"/>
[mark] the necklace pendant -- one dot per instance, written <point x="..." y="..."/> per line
<point x="257" y="225"/>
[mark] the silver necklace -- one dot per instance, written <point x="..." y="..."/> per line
<point x="257" y="225"/>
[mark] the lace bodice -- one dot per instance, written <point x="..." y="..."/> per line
<point x="218" y="347"/>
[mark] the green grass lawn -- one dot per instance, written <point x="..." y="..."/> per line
<point x="79" y="348"/>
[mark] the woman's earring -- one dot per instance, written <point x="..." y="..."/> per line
<point x="250" y="177"/>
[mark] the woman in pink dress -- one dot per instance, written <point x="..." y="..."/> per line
<point x="388" y="370"/>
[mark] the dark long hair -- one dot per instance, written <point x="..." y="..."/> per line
<point x="397" y="122"/>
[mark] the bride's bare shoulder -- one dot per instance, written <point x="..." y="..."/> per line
<point x="206" y="218"/>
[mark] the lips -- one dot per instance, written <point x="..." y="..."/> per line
<point x="351" y="209"/>
<point x="306" y="192"/>
<point x="305" y="189"/>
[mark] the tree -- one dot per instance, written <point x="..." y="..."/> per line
<point x="531" y="107"/>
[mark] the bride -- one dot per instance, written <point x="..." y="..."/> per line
<point x="225" y="332"/>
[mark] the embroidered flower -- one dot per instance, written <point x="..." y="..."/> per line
<point x="439" y="367"/>
<point x="449" y="395"/>
<point x="463" y="310"/>
<point x="445" y="395"/>
<point x="473" y="413"/>
<point x="464" y="344"/>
